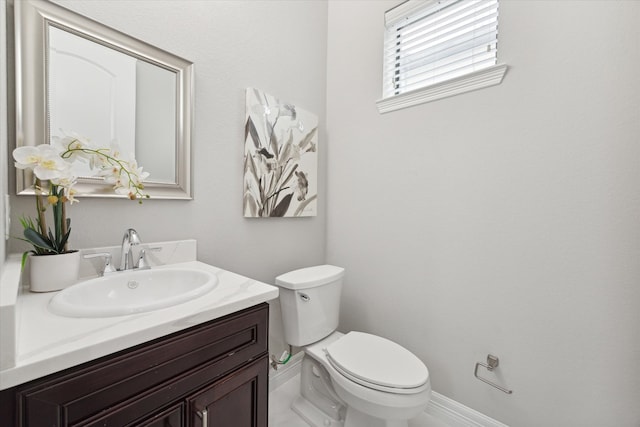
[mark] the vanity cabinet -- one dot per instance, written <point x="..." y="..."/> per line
<point x="213" y="374"/>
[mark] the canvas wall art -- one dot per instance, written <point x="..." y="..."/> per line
<point x="280" y="158"/>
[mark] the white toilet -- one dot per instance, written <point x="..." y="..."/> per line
<point x="347" y="380"/>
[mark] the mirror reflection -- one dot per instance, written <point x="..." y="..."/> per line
<point x="112" y="97"/>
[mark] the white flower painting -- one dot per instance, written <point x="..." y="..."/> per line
<point x="280" y="158"/>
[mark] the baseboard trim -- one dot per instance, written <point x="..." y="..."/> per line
<point x="440" y="407"/>
<point x="457" y="415"/>
<point x="285" y="372"/>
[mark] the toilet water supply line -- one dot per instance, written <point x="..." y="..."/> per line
<point x="284" y="358"/>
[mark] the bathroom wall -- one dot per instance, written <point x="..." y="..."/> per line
<point x="502" y="221"/>
<point x="277" y="46"/>
<point x="3" y="131"/>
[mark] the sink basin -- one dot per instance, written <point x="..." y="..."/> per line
<point x="130" y="292"/>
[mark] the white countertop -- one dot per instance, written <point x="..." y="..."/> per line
<point x="48" y="343"/>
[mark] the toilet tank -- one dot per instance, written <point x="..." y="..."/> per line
<point x="310" y="303"/>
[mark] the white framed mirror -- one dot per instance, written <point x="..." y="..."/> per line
<point x="76" y="75"/>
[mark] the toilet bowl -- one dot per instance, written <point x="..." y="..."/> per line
<point x="348" y="380"/>
<point x="398" y="390"/>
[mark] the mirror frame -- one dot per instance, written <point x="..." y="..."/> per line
<point x="31" y="21"/>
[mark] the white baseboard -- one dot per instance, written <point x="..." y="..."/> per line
<point x="457" y="415"/>
<point x="446" y="410"/>
<point x="285" y="372"/>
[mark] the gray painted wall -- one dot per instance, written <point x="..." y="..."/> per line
<point x="502" y="221"/>
<point x="277" y="46"/>
<point x="3" y="130"/>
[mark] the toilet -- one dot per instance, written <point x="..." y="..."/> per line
<point x="347" y="380"/>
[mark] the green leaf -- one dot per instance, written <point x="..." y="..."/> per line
<point x="57" y="220"/>
<point x="38" y="240"/>
<point x="25" y="255"/>
<point x="52" y="239"/>
<point x="27" y="222"/>
<point x="64" y="239"/>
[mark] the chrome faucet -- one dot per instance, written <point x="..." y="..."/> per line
<point x="126" y="258"/>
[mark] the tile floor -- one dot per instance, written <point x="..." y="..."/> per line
<point x="281" y="415"/>
<point x="280" y="400"/>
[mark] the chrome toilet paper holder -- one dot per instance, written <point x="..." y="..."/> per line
<point x="492" y="363"/>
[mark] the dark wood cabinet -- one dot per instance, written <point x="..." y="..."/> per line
<point x="232" y="401"/>
<point x="216" y="371"/>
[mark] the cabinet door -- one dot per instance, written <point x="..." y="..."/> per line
<point x="238" y="400"/>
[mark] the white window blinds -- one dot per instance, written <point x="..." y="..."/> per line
<point x="428" y="42"/>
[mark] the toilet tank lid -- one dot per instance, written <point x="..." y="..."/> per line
<point x="309" y="277"/>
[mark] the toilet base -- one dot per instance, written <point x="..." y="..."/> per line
<point x="312" y="415"/>
<point x="316" y="418"/>
<point x="318" y="404"/>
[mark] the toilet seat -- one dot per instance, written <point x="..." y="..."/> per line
<point x="377" y="363"/>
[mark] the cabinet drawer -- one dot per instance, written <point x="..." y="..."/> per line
<point x="172" y="417"/>
<point x="129" y="385"/>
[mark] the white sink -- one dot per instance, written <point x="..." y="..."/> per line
<point x="130" y="292"/>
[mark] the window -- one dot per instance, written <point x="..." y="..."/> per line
<point x="435" y="49"/>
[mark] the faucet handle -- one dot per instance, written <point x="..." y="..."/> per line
<point x="142" y="258"/>
<point x="108" y="266"/>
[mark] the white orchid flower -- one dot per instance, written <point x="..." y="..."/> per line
<point x="53" y="163"/>
<point x="139" y="176"/>
<point x="111" y="174"/>
<point x="30" y="157"/>
<point x="67" y="182"/>
<point x="98" y="161"/>
<point x="114" y="150"/>
<point x="43" y="160"/>
<point x="72" y="147"/>
<point x="70" y="194"/>
<point x="51" y="168"/>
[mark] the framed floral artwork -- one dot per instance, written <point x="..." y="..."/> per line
<point x="280" y="158"/>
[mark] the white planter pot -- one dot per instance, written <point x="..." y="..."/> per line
<point x="53" y="272"/>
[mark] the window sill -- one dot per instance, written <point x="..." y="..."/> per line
<point x="478" y="80"/>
